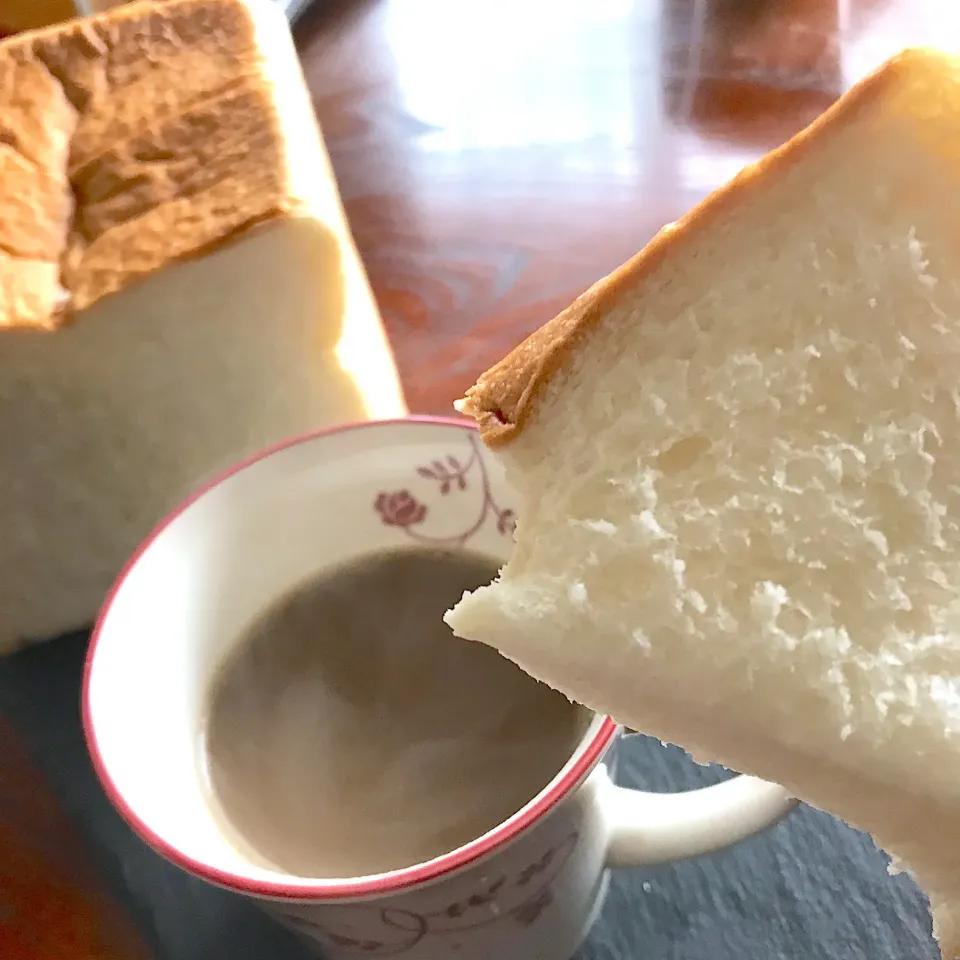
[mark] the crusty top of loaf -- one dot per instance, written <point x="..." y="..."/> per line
<point x="128" y="140"/>
<point x="506" y="395"/>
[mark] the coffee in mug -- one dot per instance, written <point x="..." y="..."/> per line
<point x="349" y="732"/>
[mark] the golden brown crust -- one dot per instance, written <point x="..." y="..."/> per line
<point x="506" y="394"/>
<point x="129" y="140"/>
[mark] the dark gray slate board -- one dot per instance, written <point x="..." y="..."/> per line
<point x="811" y="889"/>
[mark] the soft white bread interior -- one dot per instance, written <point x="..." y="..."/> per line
<point x="738" y="466"/>
<point x="178" y="285"/>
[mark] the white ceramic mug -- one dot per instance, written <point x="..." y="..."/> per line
<point x="528" y="889"/>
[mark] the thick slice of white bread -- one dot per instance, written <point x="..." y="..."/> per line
<point x="738" y="462"/>
<point x="178" y="285"/>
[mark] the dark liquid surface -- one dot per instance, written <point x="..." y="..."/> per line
<point x="350" y="732"/>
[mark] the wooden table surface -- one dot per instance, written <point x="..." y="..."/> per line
<point x="497" y="157"/>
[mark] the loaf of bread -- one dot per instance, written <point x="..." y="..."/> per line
<point x="738" y="465"/>
<point x="178" y="285"/>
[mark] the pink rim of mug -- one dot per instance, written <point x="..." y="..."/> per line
<point x="587" y="756"/>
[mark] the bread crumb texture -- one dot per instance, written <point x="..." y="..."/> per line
<point x="129" y="140"/>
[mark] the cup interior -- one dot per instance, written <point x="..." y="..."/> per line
<point x="211" y="568"/>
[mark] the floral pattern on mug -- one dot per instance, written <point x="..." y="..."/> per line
<point x="519" y="898"/>
<point x="400" y="509"/>
<point x="450" y="475"/>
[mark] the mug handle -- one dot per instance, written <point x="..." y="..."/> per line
<point x="650" y="828"/>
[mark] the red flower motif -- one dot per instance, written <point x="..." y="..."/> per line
<point x="400" y="509"/>
<point x="506" y="522"/>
